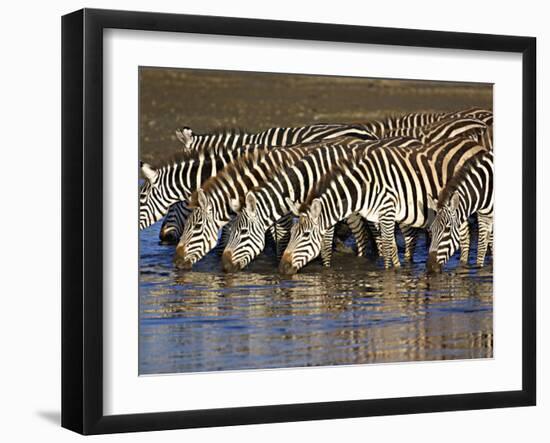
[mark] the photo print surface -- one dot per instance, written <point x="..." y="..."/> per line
<point x="299" y="220"/>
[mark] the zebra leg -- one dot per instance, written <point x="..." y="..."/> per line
<point x="410" y="236"/>
<point x="485" y="227"/>
<point x="326" y="247"/>
<point x="358" y="228"/>
<point x="389" y="245"/>
<point x="464" y="232"/>
<point x="374" y="229"/>
<point x="270" y="237"/>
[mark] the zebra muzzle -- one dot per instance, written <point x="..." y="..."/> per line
<point x="432" y="265"/>
<point x="227" y="262"/>
<point x="286" y="267"/>
<point x="181" y="259"/>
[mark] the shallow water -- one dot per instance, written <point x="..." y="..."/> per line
<point x="352" y="313"/>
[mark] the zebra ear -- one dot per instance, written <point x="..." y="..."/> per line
<point x="315" y="210"/>
<point x="293" y="207"/>
<point x="455" y="201"/>
<point x="203" y="200"/>
<point x="148" y="171"/>
<point x="185" y="136"/>
<point x="251" y="203"/>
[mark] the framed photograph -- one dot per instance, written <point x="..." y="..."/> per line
<point x="270" y="221"/>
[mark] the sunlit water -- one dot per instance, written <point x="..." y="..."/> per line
<point x="352" y="313"/>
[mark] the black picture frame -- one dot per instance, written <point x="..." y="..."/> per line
<point x="82" y="221"/>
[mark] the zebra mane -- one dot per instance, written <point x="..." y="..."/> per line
<point x="280" y="174"/>
<point x="454" y="183"/>
<point x="225" y="130"/>
<point x="233" y="169"/>
<point x="184" y="156"/>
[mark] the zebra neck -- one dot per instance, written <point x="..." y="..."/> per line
<point x="334" y="209"/>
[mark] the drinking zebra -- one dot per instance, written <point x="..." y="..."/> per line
<point x="386" y="186"/>
<point x="469" y="192"/>
<point x="275" y="198"/>
<point x="265" y="204"/>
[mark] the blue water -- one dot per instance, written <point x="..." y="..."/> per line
<point x="352" y="313"/>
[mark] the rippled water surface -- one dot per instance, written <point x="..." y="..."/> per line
<point x="353" y="313"/>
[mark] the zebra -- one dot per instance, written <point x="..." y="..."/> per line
<point x="274" y="199"/>
<point x="172" y="226"/>
<point x="469" y="192"/>
<point x="385" y="185"/>
<point x="215" y="202"/>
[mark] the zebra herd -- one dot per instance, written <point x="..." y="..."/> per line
<point x="417" y="172"/>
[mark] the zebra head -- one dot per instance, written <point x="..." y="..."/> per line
<point x="305" y="239"/>
<point x="152" y="202"/>
<point x="185" y="136"/>
<point x="247" y="238"/>
<point x="445" y="233"/>
<point x="200" y="233"/>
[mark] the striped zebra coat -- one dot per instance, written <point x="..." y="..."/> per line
<point x="386" y="186"/>
<point x="469" y="192"/>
